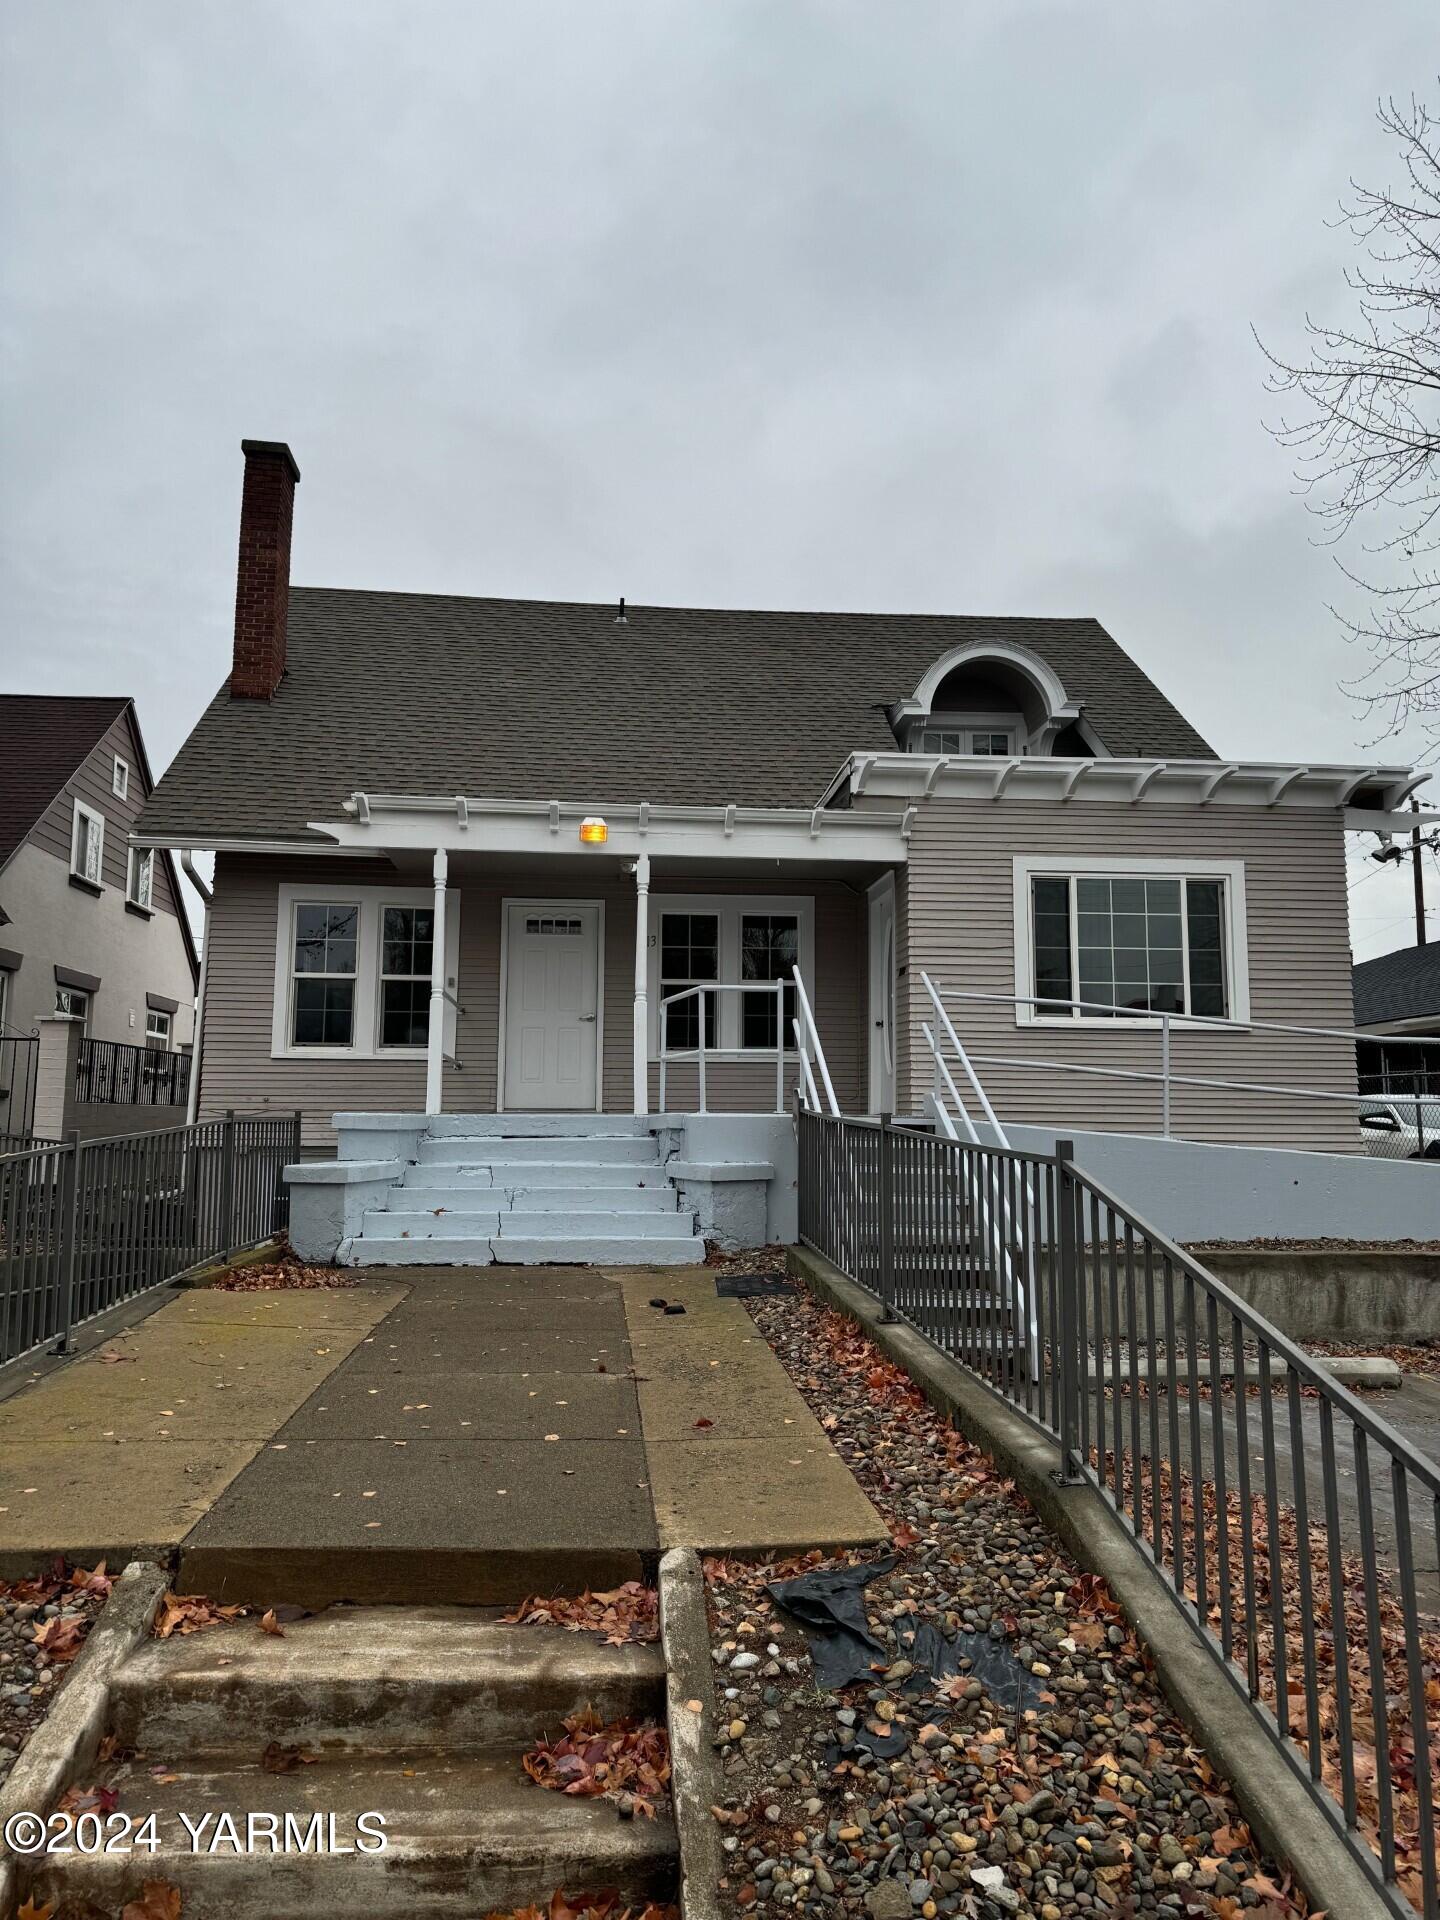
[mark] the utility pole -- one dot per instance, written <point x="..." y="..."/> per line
<point x="1418" y="876"/>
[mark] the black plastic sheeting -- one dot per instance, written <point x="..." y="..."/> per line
<point x="830" y="1608"/>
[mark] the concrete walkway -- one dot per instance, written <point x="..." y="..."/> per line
<point x="452" y="1434"/>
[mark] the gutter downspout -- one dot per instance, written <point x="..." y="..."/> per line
<point x="206" y="893"/>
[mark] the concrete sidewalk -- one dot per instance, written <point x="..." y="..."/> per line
<point x="451" y="1434"/>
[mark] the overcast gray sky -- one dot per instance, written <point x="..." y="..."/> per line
<point x="926" y="307"/>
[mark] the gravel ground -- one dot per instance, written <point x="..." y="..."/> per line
<point x="43" y="1624"/>
<point x="1090" y="1800"/>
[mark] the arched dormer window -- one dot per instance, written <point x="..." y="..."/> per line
<point x="988" y="698"/>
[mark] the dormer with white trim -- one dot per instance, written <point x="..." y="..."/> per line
<point x="993" y="699"/>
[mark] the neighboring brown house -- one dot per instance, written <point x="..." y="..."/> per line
<point x="413" y="912"/>
<point x="89" y="926"/>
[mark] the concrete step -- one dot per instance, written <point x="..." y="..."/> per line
<point x="374" y="1679"/>
<point x="466" y="1834"/>
<point x="420" y="1196"/>
<point x="596" y="1250"/>
<point x="650" y="1224"/>
<point x="385" y="1250"/>
<point x="569" y="1173"/>
<point x="602" y="1150"/>
<point x="536" y="1126"/>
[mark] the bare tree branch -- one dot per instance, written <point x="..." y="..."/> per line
<point x="1363" y="420"/>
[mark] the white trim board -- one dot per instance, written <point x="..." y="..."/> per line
<point x="1026" y="866"/>
<point x="366" y="1028"/>
<point x="556" y="905"/>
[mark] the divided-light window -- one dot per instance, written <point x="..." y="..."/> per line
<point x="407" y="939"/>
<point x="769" y="950"/>
<point x="1136" y="945"/>
<point x="689" y="957"/>
<point x="323" y="975"/>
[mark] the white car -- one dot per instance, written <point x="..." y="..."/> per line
<point x="1401" y="1127"/>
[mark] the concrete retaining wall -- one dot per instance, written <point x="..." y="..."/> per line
<point x="1193" y="1191"/>
<point x="1336" y="1296"/>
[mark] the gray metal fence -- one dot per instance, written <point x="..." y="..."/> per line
<point x="1295" y="1529"/>
<point x="87" y="1224"/>
<point x="112" y="1073"/>
<point x="19" y="1058"/>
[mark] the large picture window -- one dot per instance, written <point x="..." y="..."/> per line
<point x="1136" y="943"/>
<point x="406" y="941"/>
<point x="325" y="952"/>
<point x="769" y="950"/>
<point x="689" y="957"/>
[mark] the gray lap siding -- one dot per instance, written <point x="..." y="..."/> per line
<point x="957" y="917"/>
<point x="238" y="1070"/>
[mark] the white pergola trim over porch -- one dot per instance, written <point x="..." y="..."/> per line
<point x="637" y="831"/>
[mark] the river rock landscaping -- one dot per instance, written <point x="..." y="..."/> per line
<point x="44" y="1621"/>
<point x="1006" y="1750"/>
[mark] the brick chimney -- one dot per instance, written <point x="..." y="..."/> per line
<point x="262" y="579"/>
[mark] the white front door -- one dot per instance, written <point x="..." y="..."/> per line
<point x="882" y="996"/>
<point x="552" y="1007"/>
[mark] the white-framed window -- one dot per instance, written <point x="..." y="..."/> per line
<point x="407" y="937"/>
<point x="1145" y="937"/>
<point x="157" y="1029"/>
<point x="324" y="957"/>
<point x="140" y="876"/>
<point x="352" y="970"/>
<point x="988" y="734"/>
<point x="689" y="957"/>
<point x="769" y="951"/>
<point x="736" y="939"/>
<point x="120" y="778"/>
<point x="87" y="843"/>
<point x="73" y="1001"/>
<point x="4" y="998"/>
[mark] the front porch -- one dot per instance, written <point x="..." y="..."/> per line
<point x="673" y="967"/>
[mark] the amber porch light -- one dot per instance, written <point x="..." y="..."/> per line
<point x="593" y="831"/>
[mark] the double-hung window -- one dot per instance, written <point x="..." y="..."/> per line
<point x="323" y="968"/>
<point x="1129" y="944"/>
<point x="689" y="957"/>
<point x="407" y="936"/>
<point x="769" y="950"/>
<point x="140" y="877"/>
<point x="157" y="1030"/>
<point x="87" y="844"/>
<point x="119" y="778"/>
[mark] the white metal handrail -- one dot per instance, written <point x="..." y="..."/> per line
<point x="807" y="1036"/>
<point x="944" y="1082"/>
<point x="701" y="1052"/>
<point x="1166" y="1078"/>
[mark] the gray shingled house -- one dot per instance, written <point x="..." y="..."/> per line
<point x="482" y="857"/>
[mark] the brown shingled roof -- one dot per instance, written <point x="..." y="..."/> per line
<point x="43" y="738"/>
<point x="512" y="699"/>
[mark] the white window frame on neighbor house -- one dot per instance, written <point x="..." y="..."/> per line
<point x="159" y="1026"/>
<point x="1063" y="866"/>
<point x="83" y="816"/>
<point x="731" y="909"/>
<point x="120" y="778"/>
<point x="365" y="1020"/>
<point x="140" y="866"/>
<point x="64" y="998"/>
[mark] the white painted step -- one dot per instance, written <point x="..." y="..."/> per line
<point x="383" y="1250"/>
<point x="422" y="1196"/>
<point x="536" y="1174"/>
<point x="385" y="1225"/>
<point x="595" y="1251"/>
<point x="535" y="1126"/>
<point x="604" y="1150"/>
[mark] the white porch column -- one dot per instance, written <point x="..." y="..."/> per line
<point x="642" y="974"/>
<point x="435" y="1043"/>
